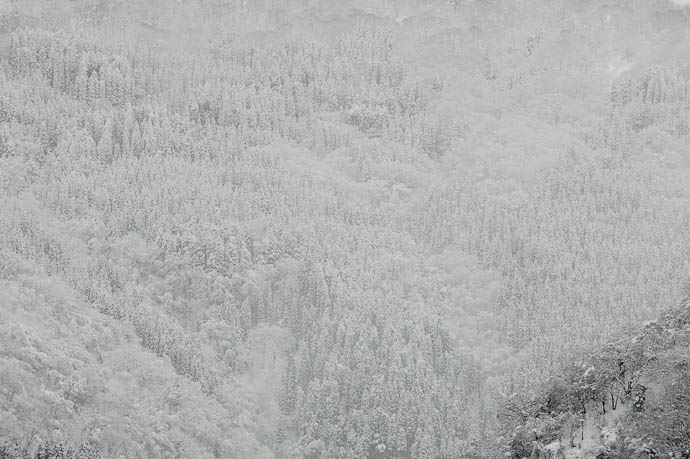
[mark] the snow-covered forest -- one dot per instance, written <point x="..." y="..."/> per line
<point x="344" y="229"/>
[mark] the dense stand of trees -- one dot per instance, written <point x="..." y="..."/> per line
<point x="179" y="153"/>
<point x="644" y="378"/>
<point x="599" y="246"/>
<point x="168" y="192"/>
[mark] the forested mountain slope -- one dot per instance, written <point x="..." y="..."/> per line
<point x="326" y="229"/>
<point x="628" y="400"/>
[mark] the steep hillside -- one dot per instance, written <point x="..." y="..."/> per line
<point x="71" y="375"/>
<point x="628" y="400"/>
<point x="309" y="228"/>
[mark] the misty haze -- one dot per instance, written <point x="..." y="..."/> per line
<point x="345" y="229"/>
